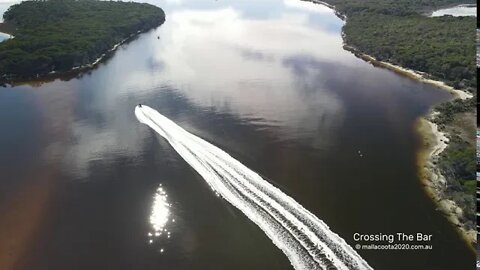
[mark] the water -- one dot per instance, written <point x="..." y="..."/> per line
<point x="460" y="10"/>
<point x="306" y="240"/>
<point x="266" y="82"/>
<point x="4" y="5"/>
<point x="4" y="36"/>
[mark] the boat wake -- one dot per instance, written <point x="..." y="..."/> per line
<point x="306" y="240"/>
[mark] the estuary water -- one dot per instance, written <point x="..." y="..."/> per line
<point x="4" y="36"/>
<point x="85" y="185"/>
<point x="460" y="10"/>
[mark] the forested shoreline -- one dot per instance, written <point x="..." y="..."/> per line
<point x="399" y="32"/>
<point x="457" y="162"/>
<point x="443" y="48"/>
<point x="58" y="35"/>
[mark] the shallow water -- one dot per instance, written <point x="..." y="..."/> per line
<point x="267" y="82"/>
<point x="460" y="10"/>
<point x="4" y="5"/>
<point x="4" y="37"/>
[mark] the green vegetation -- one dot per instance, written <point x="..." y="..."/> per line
<point x="470" y="186"/>
<point x="399" y="32"/>
<point x="443" y="47"/>
<point x="392" y="7"/>
<point x="478" y="47"/>
<point x="457" y="162"/>
<point x="448" y="110"/>
<point x="57" y="35"/>
<point x="458" y="165"/>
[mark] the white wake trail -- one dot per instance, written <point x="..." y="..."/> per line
<point x="306" y="240"/>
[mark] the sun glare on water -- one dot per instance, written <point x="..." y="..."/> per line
<point x="159" y="217"/>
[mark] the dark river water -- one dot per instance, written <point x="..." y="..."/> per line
<point x="84" y="185"/>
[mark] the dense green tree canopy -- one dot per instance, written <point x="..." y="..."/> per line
<point x="57" y="35"/>
<point x="398" y="31"/>
<point x="393" y="7"/>
<point x="402" y="33"/>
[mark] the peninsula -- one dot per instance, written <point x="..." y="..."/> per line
<point x="56" y="36"/>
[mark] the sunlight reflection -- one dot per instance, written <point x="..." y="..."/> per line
<point x="159" y="216"/>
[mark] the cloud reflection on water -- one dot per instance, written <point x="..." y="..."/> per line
<point x="217" y="59"/>
<point x="307" y="6"/>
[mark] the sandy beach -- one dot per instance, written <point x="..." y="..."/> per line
<point x="435" y="141"/>
<point x="78" y="69"/>
<point x="410" y="73"/>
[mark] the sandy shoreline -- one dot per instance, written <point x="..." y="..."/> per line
<point x="435" y="141"/>
<point x="99" y="59"/>
<point x="410" y="73"/>
<point x="78" y="69"/>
